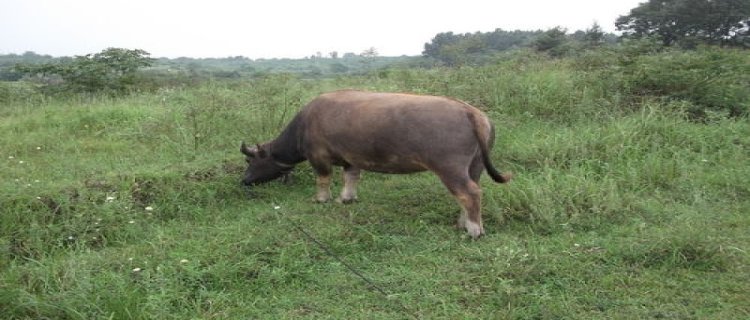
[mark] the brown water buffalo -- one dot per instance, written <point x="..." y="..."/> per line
<point x="388" y="133"/>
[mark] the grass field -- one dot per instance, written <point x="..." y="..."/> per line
<point x="131" y="208"/>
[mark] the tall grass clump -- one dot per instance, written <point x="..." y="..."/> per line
<point x="523" y="85"/>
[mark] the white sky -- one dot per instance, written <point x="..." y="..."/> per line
<point x="277" y="28"/>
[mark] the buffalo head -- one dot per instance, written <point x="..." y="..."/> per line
<point x="261" y="167"/>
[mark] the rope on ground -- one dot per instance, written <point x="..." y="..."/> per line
<point x="338" y="258"/>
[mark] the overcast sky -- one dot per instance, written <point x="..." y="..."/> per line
<point x="277" y="28"/>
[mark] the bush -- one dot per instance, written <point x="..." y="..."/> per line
<point x="711" y="79"/>
<point x="111" y="71"/>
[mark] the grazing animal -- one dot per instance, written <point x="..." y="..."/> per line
<point x="387" y="133"/>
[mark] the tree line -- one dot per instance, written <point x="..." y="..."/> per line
<point x="452" y="49"/>
<point x="682" y="23"/>
<point x="685" y="24"/>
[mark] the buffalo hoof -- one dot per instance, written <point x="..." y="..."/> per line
<point x="475" y="230"/>
<point x="317" y="199"/>
<point x="346" y="201"/>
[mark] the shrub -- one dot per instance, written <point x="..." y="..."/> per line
<point x="711" y="79"/>
<point x="112" y="71"/>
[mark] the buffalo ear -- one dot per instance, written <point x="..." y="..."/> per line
<point x="260" y="152"/>
<point x="252" y="153"/>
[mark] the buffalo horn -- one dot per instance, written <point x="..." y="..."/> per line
<point x="247" y="151"/>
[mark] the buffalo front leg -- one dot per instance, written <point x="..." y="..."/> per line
<point x="351" y="179"/>
<point x="323" y="174"/>
<point x="323" y="185"/>
<point x="469" y="197"/>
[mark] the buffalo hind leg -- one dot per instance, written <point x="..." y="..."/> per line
<point x="351" y="179"/>
<point x="469" y="197"/>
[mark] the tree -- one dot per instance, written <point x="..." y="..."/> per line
<point x="551" y="41"/>
<point x="462" y="52"/>
<point x="594" y="36"/>
<point x="368" y="57"/>
<point x="370" y="52"/>
<point x="456" y="49"/>
<point x="500" y="39"/>
<point x="723" y="22"/>
<point x="121" y="62"/>
<point x="113" y="69"/>
<point x="432" y="48"/>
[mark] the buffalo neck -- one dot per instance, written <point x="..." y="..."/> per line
<point x="286" y="147"/>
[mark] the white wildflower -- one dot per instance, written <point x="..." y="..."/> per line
<point x="110" y="198"/>
<point x="149" y="208"/>
<point x="137" y="269"/>
<point x="20" y="161"/>
<point x="184" y="261"/>
<point x="39" y="148"/>
<point x="131" y="221"/>
<point x="276" y="207"/>
<point x="11" y="157"/>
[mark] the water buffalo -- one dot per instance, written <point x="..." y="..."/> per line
<point x="388" y="133"/>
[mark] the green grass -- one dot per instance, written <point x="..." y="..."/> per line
<point x="131" y="208"/>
